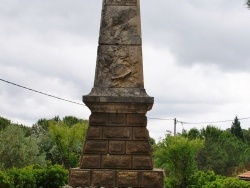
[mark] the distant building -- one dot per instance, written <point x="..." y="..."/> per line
<point x="245" y="176"/>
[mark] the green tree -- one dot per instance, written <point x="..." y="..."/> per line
<point x="236" y="129"/>
<point x="223" y="153"/>
<point x="68" y="142"/>
<point x="248" y="3"/>
<point x="4" y="123"/>
<point x="16" y="150"/>
<point x="176" y="155"/>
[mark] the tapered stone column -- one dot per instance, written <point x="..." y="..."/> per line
<point x="117" y="152"/>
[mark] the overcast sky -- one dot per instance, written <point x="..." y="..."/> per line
<point x="196" y="59"/>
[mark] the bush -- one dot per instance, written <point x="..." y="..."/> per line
<point x="5" y="181"/>
<point x="52" y="176"/>
<point x="210" y="180"/>
<point x="23" y="178"/>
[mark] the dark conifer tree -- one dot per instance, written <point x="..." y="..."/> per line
<point x="236" y="129"/>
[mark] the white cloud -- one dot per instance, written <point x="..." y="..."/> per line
<point x="196" y="59"/>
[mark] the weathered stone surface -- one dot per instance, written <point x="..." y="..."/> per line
<point x="117" y="152"/>
<point x="119" y="107"/>
<point x="90" y="161"/>
<point x="94" y="132"/>
<point x="137" y="120"/>
<point x="120" y="25"/>
<point x="127" y="179"/>
<point x="117" y="133"/>
<point x="99" y="119"/>
<point x="117" y="119"/>
<point x="116" y="161"/>
<point x="120" y="2"/>
<point x="119" y="66"/>
<point x="138" y="147"/>
<point x="140" y="133"/>
<point x="117" y="147"/>
<point x="103" y="178"/>
<point x="96" y="146"/>
<point x="142" y="162"/>
<point x="79" y="178"/>
<point x="153" y="179"/>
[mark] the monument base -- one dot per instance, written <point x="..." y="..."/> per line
<point x="116" y="178"/>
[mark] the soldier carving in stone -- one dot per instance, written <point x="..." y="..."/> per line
<point x="117" y="152"/>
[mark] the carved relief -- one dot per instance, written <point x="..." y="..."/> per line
<point x="119" y="66"/>
<point x="121" y="2"/>
<point x="120" y="25"/>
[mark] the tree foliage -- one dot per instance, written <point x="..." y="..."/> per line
<point x="34" y="176"/>
<point x="223" y="152"/>
<point x="68" y="142"/>
<point x="236" y="129"/>
<point x="16" y="150"/>
<point x="176" y="155"/>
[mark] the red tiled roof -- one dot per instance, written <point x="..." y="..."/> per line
<point x="245" y="175"/>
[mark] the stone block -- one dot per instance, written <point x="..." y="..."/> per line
<point x="103" y="178"/>
<point x="124" y="133"/>
<point x="153" y="179"/>
<point x="127" y="179"/>
<point x="140" y="133"/>
<point x="79" y="178"/>
<point x="121" y="2"/>
<point x="99" y="119"/>
<point x="117" y="119"/>
<point x="90" y="161"/>
<point x="96" y="146"/>
<point x="137" y="120"/>
<point x="142" y="162"/>
<point x="138" y="147"/>
<point x="94" y="132"/>
<point x="117" y="147"/>
<point x="116" y="161"/>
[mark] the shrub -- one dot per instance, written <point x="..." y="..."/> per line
<point x="5" y="181"/>
<point x="22" y="178"/>
<point x="53" y="176"/>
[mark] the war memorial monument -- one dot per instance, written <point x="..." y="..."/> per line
<point x="117" y="152"/>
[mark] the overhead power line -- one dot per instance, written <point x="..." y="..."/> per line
<point x="160" y="119"/>
<point x="208" y="122"/>
<point x="42" y="93"/>
<point x="153" y="118"/>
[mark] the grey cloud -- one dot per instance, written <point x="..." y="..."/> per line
<point x="198" y="32"/>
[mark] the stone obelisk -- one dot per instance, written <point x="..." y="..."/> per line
<point x="117" y="152"/>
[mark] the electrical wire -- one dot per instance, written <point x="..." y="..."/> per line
<point x="160" y="119"/>
<point x="153" y="118"/>
<point x="208" y="122"/>
<point x="42" y="93"/>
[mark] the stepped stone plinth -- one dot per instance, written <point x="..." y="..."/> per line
<point x="117" y="152"/>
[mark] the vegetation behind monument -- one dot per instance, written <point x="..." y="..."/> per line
<point x="29" y="155"/>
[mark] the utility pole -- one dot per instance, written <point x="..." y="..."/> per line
<point x="175" y="122"/>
